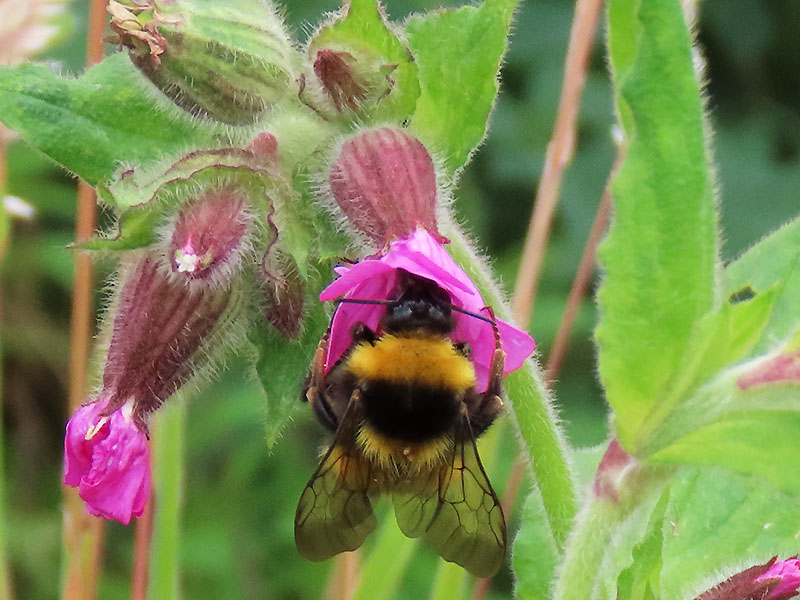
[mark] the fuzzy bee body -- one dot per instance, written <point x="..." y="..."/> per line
<point x="405" y="411"/>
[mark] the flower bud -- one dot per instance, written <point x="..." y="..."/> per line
<point x="345" y="88"/>
<point x="209" y="235"/>
<point x="226" y="60"/>
<point x="773" y="580"/>
<point x="384" y="182"/>
<point x="284" y="291"/>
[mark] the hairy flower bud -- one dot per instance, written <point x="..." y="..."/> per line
<point x="773" y="580"/>
<point x="284" y="291"/>
<point x="226" y="60"/>
<point x="384" y="182"/>
<point x="346" y="88"/>
<point x="209" y="235"/>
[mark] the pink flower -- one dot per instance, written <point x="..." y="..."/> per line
<point x="788" y="573"/>
<point x="422" y="255"/>
<point x="107" y="458"/>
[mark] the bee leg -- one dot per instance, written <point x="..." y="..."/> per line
<point x="362" y="333"/>
<point x="490" y="402"/>
<point x="314" y="387"/>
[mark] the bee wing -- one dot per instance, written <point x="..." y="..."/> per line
<point x="335" y="513"/>
<point x="455" y="510"/>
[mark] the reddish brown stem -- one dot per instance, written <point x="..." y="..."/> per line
<point x="83" y="533"/>
<point x="141" y="557"/>
<point x="559" y="154"/>
<point x="344" y="577"/>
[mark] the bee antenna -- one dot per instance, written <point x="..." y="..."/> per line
<point x="388" y="302"/>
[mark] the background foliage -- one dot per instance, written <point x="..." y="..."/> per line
<point x="240" y="500"/>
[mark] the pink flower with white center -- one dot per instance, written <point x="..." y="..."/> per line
<point x="108" y="459"/>
<point x="422" y="255"/>
<point x="787" y="572"/>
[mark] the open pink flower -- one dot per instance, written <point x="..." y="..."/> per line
<point x="422" y="255"/>
<point x="787" y="572"/>
<point x="107" y="458"/>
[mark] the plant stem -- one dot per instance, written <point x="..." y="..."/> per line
<point x="83" y="533"/>
<point x="168" y="469"/>
<point x="596" y="523"/>
<point x="344" y="576"/>
<point x="579" y="285"/>
<point x="559" y="154"/>
<point x="141" y="552"/>
<point x="386" y="564"/>
<point x="6" y="590"/>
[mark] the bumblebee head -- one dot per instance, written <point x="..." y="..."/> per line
<point x="424" y="306"/>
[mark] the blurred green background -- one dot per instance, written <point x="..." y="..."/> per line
<point x="239" y="498"/>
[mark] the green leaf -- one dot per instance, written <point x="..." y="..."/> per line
<point x="535" y="556"/>
<point x="365" y="33"/>
<point x="136" y="228"/>
<point x="718" y="523"/>
<point x="458" y="54"/>
<point x="641" y="580"/>
<point x="93" y="124"/>
<point x="661" y="250"/>
<point x="608" y="532"/>
<point x="774" y="261"/>
<point x="737" y="400"/>
<point x="281" y="363"/>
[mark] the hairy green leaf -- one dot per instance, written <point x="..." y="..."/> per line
<point x="737" y="402"/>
<point x="281" y="364"/>
<point x="93" y="124"/>
<point x="661" y="251"/>
<point x="774" y="261"/>
<point x="458" y="53"/>
<point x="718" y="523"/>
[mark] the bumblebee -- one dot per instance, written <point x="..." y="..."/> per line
<point x="405" y="412"/>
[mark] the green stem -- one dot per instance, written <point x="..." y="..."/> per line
<point x="531" y="405"/>
<point x="386" y="564"/>
<point x="168" y="468"/>
<point x="599" y="519"/>
<point x="449" y="583"/>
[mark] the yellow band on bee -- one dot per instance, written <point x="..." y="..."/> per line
<point x="430" y="361"/>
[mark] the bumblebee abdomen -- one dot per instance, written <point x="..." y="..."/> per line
<point x="409" y="413"/>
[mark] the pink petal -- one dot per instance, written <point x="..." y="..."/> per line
<point x="788" y="571"/>
<point x="111" y="469"/>
<point x="422" y="255"/>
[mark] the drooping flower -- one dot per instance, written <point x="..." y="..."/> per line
<point x="108" y="459"/>
<point x="423" y="255"/>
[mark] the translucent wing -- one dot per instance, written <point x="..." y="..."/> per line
<point x="335" y="513"/>
<point x="455" y="510"/>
